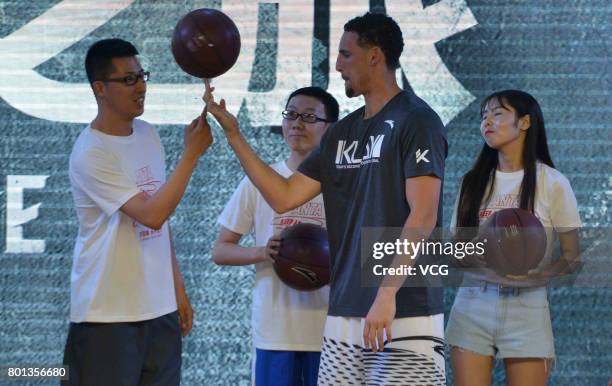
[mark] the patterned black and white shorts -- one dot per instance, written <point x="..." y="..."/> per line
<point x="414" y="357"/>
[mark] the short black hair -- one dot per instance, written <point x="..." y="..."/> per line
<point x="98" y="61"/>
<point x="380" y="30"/>
<point x="332" y="110"/>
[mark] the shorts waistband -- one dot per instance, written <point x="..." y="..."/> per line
<point x="504" y="289"/>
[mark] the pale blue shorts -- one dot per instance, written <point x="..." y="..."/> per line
<point x="504" y="322"/>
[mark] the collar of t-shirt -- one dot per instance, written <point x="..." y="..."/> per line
<point x="387" y="106"/>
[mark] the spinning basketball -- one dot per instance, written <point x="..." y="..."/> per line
<point x="516" y="241"/>
<point x="205" y="43"/>
<point x="303" y="257"/>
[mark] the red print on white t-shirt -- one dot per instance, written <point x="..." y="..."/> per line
<point x="147" y="184"/>
<point x="498" y="202"/>
<point x="310" y="212"/>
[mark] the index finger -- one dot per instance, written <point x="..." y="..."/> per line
<point x="207" y="97"/>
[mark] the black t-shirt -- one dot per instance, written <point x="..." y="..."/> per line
<point x="362" y="165"/>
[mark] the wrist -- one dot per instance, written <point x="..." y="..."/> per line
<point x="190" y="157"/>
<point x="259" y="254"/>
<point x="387" y="292"/>
<point x="233" y="137"/>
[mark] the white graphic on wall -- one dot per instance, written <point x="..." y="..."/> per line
<point x="16" y="215"/>
<point x="71" y="20"/>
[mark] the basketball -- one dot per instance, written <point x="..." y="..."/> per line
<point x="303" y="257"/>
<point x="205" y="43"/>
<point x="516" y="241"/>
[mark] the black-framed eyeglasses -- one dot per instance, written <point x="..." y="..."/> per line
<point x="306" y="117"/>
<point x="131" y="79"/>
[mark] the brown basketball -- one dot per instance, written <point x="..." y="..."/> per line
<point x="303" y="258"/>
<point x="205" y="43"/>
<point x="516" y="241"/>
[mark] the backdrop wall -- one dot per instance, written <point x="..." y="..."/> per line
<point x="456" y="53"/>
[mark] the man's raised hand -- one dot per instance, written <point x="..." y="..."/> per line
<point x="227" y="120"/>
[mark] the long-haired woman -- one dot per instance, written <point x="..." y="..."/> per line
<point x="507" y="317"/>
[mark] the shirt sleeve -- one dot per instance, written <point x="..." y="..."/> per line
<point x="238" y="214"/>
<point x="311" y="166"/>
<point x="424" y="145"/>
<point x="564" y="213"/>
<point x="100" y="175"/>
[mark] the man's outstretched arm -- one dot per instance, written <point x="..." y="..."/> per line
<point x="153" y="211"/>
<point x="282" y="194"/>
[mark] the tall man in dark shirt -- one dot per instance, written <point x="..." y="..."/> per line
<point x="380" y="166"/>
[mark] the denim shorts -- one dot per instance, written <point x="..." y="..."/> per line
<point x="503" y="322"/>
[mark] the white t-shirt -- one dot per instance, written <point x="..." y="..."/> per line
<point x="122" y="270"/>
<point x="555" y="206"/>
<point x="282" y="318"/>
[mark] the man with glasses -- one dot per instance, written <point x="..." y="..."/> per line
<point x="287" y="325"/>
<point x="128" y="303"/>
